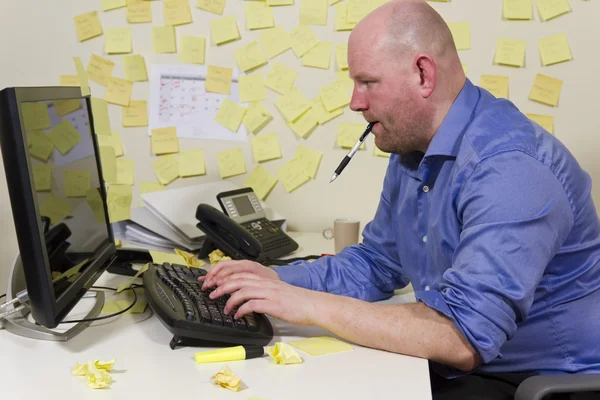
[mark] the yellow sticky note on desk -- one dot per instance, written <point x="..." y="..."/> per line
<point x="128" y="283"/>
<point x="224" y="30"/>
<point x="100" y="69"/>
<point x="258" y="15"/>
<point x="348" y="135"/>
<point x="274" y="41"/>
<point x="190" y="259"/>
<point x="281" y="78"/>
<point x="461" y="33"/>
<point x="517" y="9"/>
<point x="77" y="182"/>
<point x="283" y="353"/>
<point x="69" y="80"/>
<point x="319" y="346"/>
<point x="546" y="90"/>
<point x="322" y="115"/>
<point x="213" y="6"/>
<point x="227" y="379"/>
<point x="256" y="117"/>
<point x="159" y="257"/>
<point x="108" y="160"/>
<point x="108" y="5"/>
<point x="87" y="26"/>
<point x="118" y="41"/>
<point x="118" y="91"/>
<point x="292" y="105"/>
<point x="261" y="181"/>
<point x="304" y="124"/>
<point x="192" y="49"/>
<point x="40" y="146"/>
<point x="94" y="200"/>
<point x="164" y="140"/>
<point x="136" y="114"/>
<point x="35" y="116"/>
<point x="549" y="9"/>
<point x="177" y="12"/>
<point x="545" y="121"/>
<point x="231" y="162"/>
<point x="139" y="13"/>
<point x="292" y="175"/>
<point x="250" y="57"/>
<point x="101" y="118"/>
<point x="495" y="84"/>
<point x="119" y="202"/>
<point x="554" y="49"/>
<point x="313" y="12"/>
<point x="335" y="95"/>
<point x="166" y="169"/>
<point x="83" y="78"/>
<point x="310" y="159"/>
<point x="230" y="115"/>
<point x="64" y="136"/>
<point x="510" y="52"/>
<point x="55" y="208"/>
<point x="303" y="39"/>
<point x="252" y="88"/>
<point x="113" y="141"/>
<point x="135" y="68"/>
<point x="319" y="56"/>
<point x="191" y="163"/>
<point x="341" y="18"/>
<point x="218" y="79"/>
<point x="125" y="171"/>
<point x="64" y="107"/>
<point x="42" y="177"/>
<point x="266" y="147"/>
<point x="163" y="39"/>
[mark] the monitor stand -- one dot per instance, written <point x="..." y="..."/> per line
<point x="20" y="323"/>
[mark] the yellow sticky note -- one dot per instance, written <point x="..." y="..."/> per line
<point x="310" y="160"/>
<point x="332" y="2"/>
<point x="319" y="56"/>
<point x="192" y="49"/>
<point x="266" y="147"/>
<point x="252" y="88"/>
<point x="256" y="117"/>
<point x="213" y="6"/>
<point x="87" y="26"/>
<point x="292" y="175"/>
<point x="465" y="67"/>
<point x="64" y="107"/>
<point x="335" y="95"/>
<point x="546" y="90"/>
<point x="40" y="146"/>
<point x="149" y="187"/>
<point x="341" y="55"/>
<point x="118" y="41"/>
<point x="510" y="52"/>
<point x="114" y="141"/>
<point x="318" y="346"/>
<point x="69" y="80"/>
<point x="136" y="114"/>
<point x="218" y="79"/>
<point x="159" y="257"/>
<point x="100" y="116"/>
<point x="549" y="9"/>
<point x="119" y="202"/>
<point x="216" y="256"/>
<point x="83" y="78"/>
<point x="272" y="3"/>
<point x="261" y="181"/>
<point x="108" y="5"/>
<point x="125" y="172"/>
<point x="358" y="9"/>
<point x="283" y="353"/>
<point x="461" y="33"/>
<point x="231" y="162"/>
<point x="108" y="161"/>
<point x="250" y="57"/>
<point x="554" y="49"/>
<point x="304" y="124"/>
<point x="42" y="177"/>
<point x="64" y="136"/>
<point x="55" y="208"/>
<point x="292" y="105"/>
<point x="341" y="18"/>
<point x="77" y="182"/>
<point x="164" y="141"/>
<point x="517" y="9"/>
<point x="281" y="78"/>
<point x="274" y="41"/>
<point x="94" y="200"/>
<point x="230" y="115"/>
<point x="100" y="69"/>
<point x="135" y="68"/>
<point x="35" y="116"/>
<point x="166" y="169"/>
<point x="163" y="39"/>
<point x="303" y="39"/>
<point x="380" y="153"/>
<point x="190" y="259"/>
<point x="496" y="85"/>
<point x="118" y="91"/>
<point x="95" y="372"/>
<point x="227" y="379"/>
<point x="348" y="134"/>
<point x="191" y="163"/>
<point x="177" y="12"/>
<point x="224" y="30"/>
<point x="139" y="13"/>
<point x="545" y="121"/>
<point x="322" y="115"/>
<point x="313" y="12"/>
<point x="258" y="15"/>
<point x="128" y="283"/>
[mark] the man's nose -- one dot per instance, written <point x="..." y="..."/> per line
<point x="358" y="101"/>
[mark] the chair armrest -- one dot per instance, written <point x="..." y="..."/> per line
<point x="536" y="387"/>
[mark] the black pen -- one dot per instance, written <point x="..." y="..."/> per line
<point x="348" y="157"/>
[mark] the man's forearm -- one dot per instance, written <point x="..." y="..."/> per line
<point x="411" y="329"/>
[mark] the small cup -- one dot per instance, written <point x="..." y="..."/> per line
<point x="345" y="233"/>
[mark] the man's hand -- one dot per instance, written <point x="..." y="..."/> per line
<point x="225" y="270"/>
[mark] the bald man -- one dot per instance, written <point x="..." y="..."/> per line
<point x="483" y="211"/>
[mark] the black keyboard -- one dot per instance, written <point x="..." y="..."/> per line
<point x="175" y="295"/>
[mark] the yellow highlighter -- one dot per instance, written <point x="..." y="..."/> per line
<point x="229" y="354"/>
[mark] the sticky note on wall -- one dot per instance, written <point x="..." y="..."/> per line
<point x="461" y="33"/>
<point x="546" y="90"/>
<point x="87" y="26"/>
<point x="164" y="140"/>
<point x="261" y="181"/>
<point x="231" y="162"/>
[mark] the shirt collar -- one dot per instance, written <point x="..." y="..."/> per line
<point x="446" y="140"/>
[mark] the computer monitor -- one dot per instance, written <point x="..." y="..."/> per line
<point x="52" y="166"/>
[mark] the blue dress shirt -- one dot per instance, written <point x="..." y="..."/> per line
<point x="495" y="228"/>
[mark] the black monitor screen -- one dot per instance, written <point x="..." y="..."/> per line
<point x="243" y="205"/>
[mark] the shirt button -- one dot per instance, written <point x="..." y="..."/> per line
<point x="427" y="287"/>
<point x="426" y="188"/>
<point x="424" y="239"/>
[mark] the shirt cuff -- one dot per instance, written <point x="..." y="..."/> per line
<point x="294" y="274"/>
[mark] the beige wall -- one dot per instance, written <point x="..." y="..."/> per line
<point x="38" y="39"/>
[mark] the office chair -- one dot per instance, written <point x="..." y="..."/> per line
<point x="537" y="387"/>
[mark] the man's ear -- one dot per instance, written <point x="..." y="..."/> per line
<point x="427" y="73"/>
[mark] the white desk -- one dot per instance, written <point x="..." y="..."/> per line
<point x="146" y="366"/>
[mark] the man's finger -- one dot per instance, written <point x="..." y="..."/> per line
<point x="263" y="306"/>
<point x="236" y="282"/>
<point x="245" y="294"/>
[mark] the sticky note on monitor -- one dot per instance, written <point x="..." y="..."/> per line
<point x="64" y="136"/>
<point x="274" y="41"/>
<point x="230" y="115"/>
<point x="65" y="107"/>
<point x="118" y="41"/>
<point x="40" y="146"/>
<point x="88" y="26"/>
<point x="461" y="33"/>
<point x="319" y="346"/>
<point x="261" y="181"/>
<point x="42" y="177"/>
<point x="77" y="182"/>
<point x="218" y="79"/>
<point x="266" y="147"/>
<point x="252" y="88"/>
<point x="164" y="141"/>
<point x="35" y="116"/>
<point x="546" y="90"/>
<point x="224" y="30"/>
<point x="191" y="163"/>
<point x="510" y="52"/>
<point x="554" y="49"/>
<point x="231" y="162"/>
<point x="135" y="68"/>
<point x="166" y="169"/>
<point x="292" y="175"/>
<point x="55" y="208"/>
